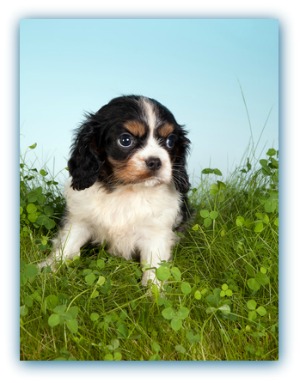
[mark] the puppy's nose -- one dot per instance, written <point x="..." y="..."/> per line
<point x="153" y="163"/>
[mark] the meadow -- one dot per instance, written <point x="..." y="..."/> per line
<point x="220" y="298"/>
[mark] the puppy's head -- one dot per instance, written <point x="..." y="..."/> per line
<point x="132" y="139"/>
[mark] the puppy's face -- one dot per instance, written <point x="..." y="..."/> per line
<point x="132" y="139"/>
<point x="143" y="148"/>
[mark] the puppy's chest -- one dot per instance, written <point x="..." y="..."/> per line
<point x="137" y="206"/>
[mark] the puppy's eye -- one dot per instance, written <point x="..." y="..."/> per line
<point x="170" y="141"/>
<point x="126" y="140"/>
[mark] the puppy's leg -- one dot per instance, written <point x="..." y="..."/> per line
<point x="153" y="252"/>
<point x="67" y="244"/>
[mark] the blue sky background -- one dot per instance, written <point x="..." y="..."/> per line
<point x="193" y="66"/>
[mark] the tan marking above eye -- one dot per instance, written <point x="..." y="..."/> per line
<point x="165" y="130"/>
<point x="136" y="128"/>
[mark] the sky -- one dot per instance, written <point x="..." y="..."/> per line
<point x="211" y="73"/>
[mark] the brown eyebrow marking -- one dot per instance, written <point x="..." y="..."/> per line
<point x="136" y="128"/>
<point x="165" y="130"/>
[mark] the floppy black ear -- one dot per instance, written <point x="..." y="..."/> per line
<point x="85" y="161"/>
<point x="181" y="179"/>
<point x="180" y="175"/>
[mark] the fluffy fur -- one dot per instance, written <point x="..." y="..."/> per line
<point x="128" y="183"/>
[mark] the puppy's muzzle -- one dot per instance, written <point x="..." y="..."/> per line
<point x="153" y="163"/>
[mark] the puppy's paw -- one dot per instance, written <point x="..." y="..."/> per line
<point x="48" y="262"/>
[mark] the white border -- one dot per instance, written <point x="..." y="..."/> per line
<point x="284" y="370"/>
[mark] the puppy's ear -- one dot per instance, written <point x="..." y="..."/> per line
<point x="85" y="161"/>
<point x="180" y="175"/>
<point x="181" y="179"/>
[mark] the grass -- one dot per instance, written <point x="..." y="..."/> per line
<point x="221" y="289"/>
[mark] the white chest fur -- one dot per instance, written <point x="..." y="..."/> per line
<point x="127" y="218"/>
<point x="125" y="205"/>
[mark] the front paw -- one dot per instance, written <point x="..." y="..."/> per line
<point x="58" y="258"/>
<point x="150" y="276"/>
<point x="48" y="262"/>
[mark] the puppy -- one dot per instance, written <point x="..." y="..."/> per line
<point x="128" y="184"/>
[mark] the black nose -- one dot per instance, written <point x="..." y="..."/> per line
<point x="153" y="163"/>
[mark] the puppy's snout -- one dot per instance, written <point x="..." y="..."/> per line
<point x="153" y="163"/>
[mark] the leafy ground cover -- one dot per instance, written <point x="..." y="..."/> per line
<point x="220" y="299"/>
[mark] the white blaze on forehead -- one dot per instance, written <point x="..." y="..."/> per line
<point x="152" y="147"/>
<point x="150" y="114"/>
